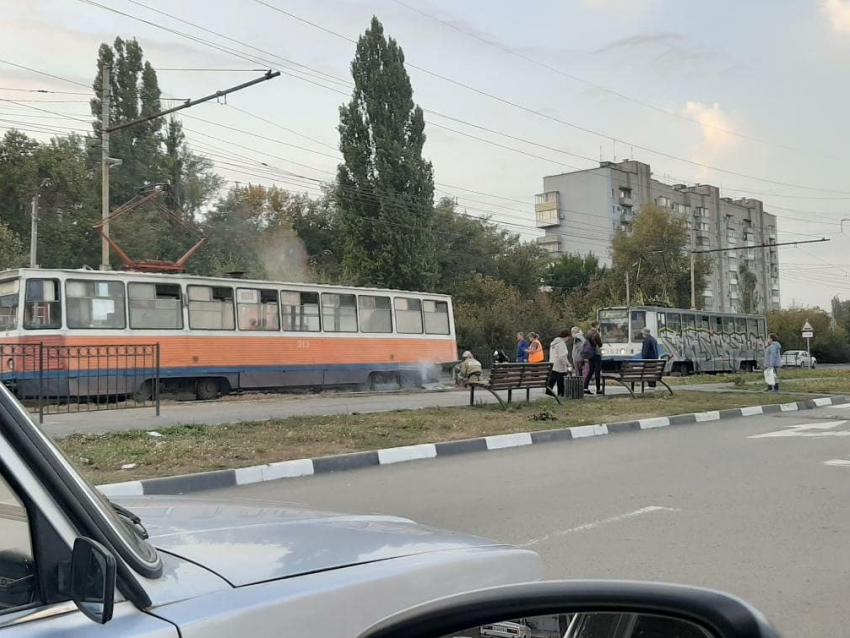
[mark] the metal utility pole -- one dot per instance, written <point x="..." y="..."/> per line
<point x="107" y="162"/>
<point x="34" y="226"/>
<point x="105" y="101"/>
<point x="722" y="250"/>
<point x="693" y="284"/>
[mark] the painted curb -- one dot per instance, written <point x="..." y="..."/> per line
<point x="389" y="456"/>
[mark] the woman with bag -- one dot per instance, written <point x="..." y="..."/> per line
<point x="535" y="350"/>
<point x="772" y="362"/>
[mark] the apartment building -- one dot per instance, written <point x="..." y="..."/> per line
<point x="581" y="211"/>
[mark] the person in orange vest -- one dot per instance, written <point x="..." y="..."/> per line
<point x="535" y="350"/>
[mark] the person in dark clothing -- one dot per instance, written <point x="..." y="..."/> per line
<point x="649" y="349"/>
<point x="521" y="348"/>
<point x="595" y="368"/>
<point x="650" y="345"/>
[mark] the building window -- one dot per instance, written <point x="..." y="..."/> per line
<point x="10" y="295"/>
<point x="257" y="309"/>
<point x="211" y="308"/>
<point x="42" y="307"/>
<point x="625" y="193"/>
<point x="408" y="315"/>
<point x="663" y="201"/>
<point x="300" y="311"/>
<point x="95" y="304"/>
<point x="155" y="306"/>
<point x="339" y="313"/>
<point x="375" y="314"/>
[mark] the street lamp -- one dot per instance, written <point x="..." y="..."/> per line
<point x="34" y="227"/>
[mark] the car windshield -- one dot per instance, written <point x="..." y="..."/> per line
<point x="614" y="325"/>
<point x="135" y="548"/>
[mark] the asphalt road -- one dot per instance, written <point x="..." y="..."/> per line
<point x="765" y="518"/>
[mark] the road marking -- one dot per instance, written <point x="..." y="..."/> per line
<point x="837" y="463"/>
<point x="822" y="401"/>
<point x="801" y="430"/>
<point x="581" y="431"/>
<point x="707" y="416"/>
<point x="788" y="407"/>
<point x="655" y="422"/>
<point x="752" y="410"/>
<point x="594" y="524"/>
<point x="499" y="441"/>
<point x="407" y="453"/>
<point x="843" y="406"/>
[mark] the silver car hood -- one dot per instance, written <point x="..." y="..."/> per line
<point x="252" y="542"/>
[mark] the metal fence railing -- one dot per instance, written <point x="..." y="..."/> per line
<point x="52" y="379"/>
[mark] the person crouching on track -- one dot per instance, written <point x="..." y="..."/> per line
<point x="469" y="370"/>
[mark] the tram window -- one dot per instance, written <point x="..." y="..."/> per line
<point x="339" y="313"/>
<point x="704" y="323"/>
<point x="376" y="314"/>
<point x="718" y="325"/>
<point x="740" y="326"/>
<point x="210" y="308"/>
<point x="42" y="307"/>
<point x="10" y="293"/>
<point x="95" y="304"/>
<point x="257" y="309"/>
<point x="155" y="306"/>
<point x="674" y="322"/>
<point x="661" y="319"/>
<point x="300" y="311"/>
<point x="688" y="322"/>
<point x="408" y="315"/>
<point x="728" y="325"/>
<point x="436" y="317"/>
<point x="762" y="334"/>
<point x="638" y="323"/>
<point x="752" y="327"/>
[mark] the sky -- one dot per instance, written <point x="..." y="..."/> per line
<point x="749" y="95"/>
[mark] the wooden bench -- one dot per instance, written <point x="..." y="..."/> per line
<point x="641" y="371"/>
<point x="515" y="376"/>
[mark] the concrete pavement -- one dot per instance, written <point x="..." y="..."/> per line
<point x="707" y="504"/>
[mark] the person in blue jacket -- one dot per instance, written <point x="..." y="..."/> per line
<point x="649" y="350"/>
<point x="522" y="348"/>
<point x="772" y="362"/>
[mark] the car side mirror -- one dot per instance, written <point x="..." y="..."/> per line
<point x="93" y="579"/>
<point x="580" y="609"/>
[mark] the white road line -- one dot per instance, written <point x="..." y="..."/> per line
<point x="843" y="406"/>
<point x="837" y="463"/>
<point x="801" y="430"/>
<point x="594" y="524"/>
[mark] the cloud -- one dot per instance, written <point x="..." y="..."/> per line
<point x="838" y="12"/>
<point x="717" y="139"/>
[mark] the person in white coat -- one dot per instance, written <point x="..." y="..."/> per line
<point x="559" y="357"/>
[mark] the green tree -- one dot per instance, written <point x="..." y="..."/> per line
<point x="385" y="188"/>
<point x="749" y="290"/>
<point x="523" y="265"/>
<point x="655" y="255"/>
<point x="466" y="246"/>
<point x="571" y="273"/>
<point x="829" y="344"/>
<point x="11" y="248"/>
<point x="251" y="230"/>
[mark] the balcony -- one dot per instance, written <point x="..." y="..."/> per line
<point x="775" y="299"/>
<point x="708" y="293"/>
<point x="551" y="245"/>
<point x="546" y="218"/>
<point x="733" y="296"/>
<point x="626" y="200"/>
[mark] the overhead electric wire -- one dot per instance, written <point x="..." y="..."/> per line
<point x="45" y="73"/>
<point x="557" y="119"/>
<point x="605" y="89"/>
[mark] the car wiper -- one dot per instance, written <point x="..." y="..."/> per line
<point x="132" y="518"/>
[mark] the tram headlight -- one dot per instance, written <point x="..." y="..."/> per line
<point x="622" y="351"/>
